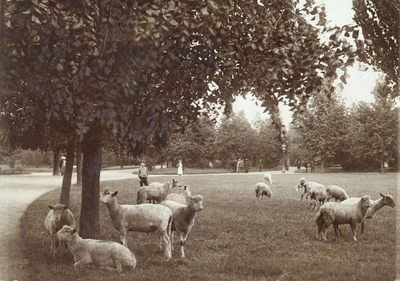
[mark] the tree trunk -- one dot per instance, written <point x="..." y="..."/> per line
<point x="79" y="164"/>
<point x="56" y="166"/>
<point x="69" y="167"/>
<point x="89" y="219"/>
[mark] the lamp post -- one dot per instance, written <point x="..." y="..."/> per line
<point x="283" y="157"/>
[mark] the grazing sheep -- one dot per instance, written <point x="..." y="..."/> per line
<point x="268" y="178"/>
<point x="181" y="197"/>
<point x="317" y="195"/>
<point x="262" y="189"/>
<point x="338" y="213"/>
<point x="386" y="199"/>
<point x="334" y="191"/>
<point x="90" y="252"/>
<point x="155" y="192"/>
<point x="183" y="217"/>
<point x="58" y="216"/>
<point x="306" y="186"/>
<point x="140" y="218"/>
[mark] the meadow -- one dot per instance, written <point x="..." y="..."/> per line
<point x="237" y="237"/>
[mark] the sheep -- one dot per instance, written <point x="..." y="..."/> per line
<point x="262" y="189"/>
<point x="334" y="191"/>
<point x="268" y="178"/>
<point x="183" y="218"/>
<point x="140" y="218"/>
<point x="98" y="253"/>
<point x="155" y="192"/>
<point x="181" y="197"/>
<point x="386" y="199"/>
<point x="306" y="186"/>
<point x="317" y="195"/>
<point x="58" y="216"/>
<point x="338" y="213"/>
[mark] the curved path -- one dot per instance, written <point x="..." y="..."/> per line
<point x="17" y="193"/>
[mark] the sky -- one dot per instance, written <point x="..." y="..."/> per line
<point x="359" y="84"/>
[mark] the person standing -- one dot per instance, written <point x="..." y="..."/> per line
<point x="180" y="168"/>
<point x="143" y="174"/>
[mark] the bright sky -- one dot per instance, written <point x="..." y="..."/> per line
<point x="359" y="84"/>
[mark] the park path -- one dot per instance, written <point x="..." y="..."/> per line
<point x="17" y="193"/>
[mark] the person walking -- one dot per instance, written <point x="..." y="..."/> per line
<point x="180" y="168"/>
<point x="238" y="166"/>
<point x="143" y="174"/>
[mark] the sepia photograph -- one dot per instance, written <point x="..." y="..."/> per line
<point x="199" y="140"/>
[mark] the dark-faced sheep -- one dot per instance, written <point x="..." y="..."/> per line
<point x="155" y="192"/>
<point x="184" y="217"/>
<point x="98" y="253"/>
<point x="262" y="189"/>
<point x="58" y="216"/>
<point x="338" y="213"/>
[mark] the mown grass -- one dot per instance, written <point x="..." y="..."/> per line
<point x="237" y="237"/>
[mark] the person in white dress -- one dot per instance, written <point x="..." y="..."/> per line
<point x="180" y="168"/>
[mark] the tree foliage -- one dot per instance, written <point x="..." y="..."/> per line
<point x="380" y="23"/>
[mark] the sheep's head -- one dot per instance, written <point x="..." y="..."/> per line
<point x="196" y="203"/>
<point x="107" y="196"/>
<point x="388" y="200"/>
<point x="366" y="202"/>
<point x="300" y="186"/>
<point x="184" y="190"/>
<point x="58" y="210"/>
<point x="66" y="233"/>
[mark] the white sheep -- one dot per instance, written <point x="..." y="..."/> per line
<point x="306" y="187"/>
<point x="140" y="218"/>
<point x="181" y="197"/>
<point x="184" y="217"/>
<point x="337" y="213"/>
<point x="334" y="191"/>
<point x="155" y="192"/>
<point x="58" y="216"/>
<point x="98" y="253"/>
<point x="386" y="199"/>
<point x="317" y="195"/>
<point x="262" y="189"/>
<point x="268" y="178"/>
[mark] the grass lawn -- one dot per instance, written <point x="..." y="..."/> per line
<point x="237" y="237"/>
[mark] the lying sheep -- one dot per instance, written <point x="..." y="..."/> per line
<point x="90" y="252"/>
<point x="334" y="191"/>
<point x="181" y="197"/>
<point x="183" y="217"/>
<point x="268" y="178"/>
<point x="58" y="216"/>
<point x="140" y="218"/>
<point x="386" y="199"/>
<point x="262" y="189"/>
<point x="155" y="192"/>
<point x="317" y="195"/>
<point x="339" y="213"/>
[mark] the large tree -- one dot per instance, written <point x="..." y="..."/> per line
<point x="139" y="69"/>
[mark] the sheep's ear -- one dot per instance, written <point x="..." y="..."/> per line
<point x="65" y="207"/>
<point x="74" y="230"/>
<point x="50" y="207"/>
<point x="115" y="193"/>
<point x="185" y="187"/>
<point x="382" y="195"/>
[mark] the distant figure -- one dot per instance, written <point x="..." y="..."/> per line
<point x="238" y="166"/>
<point x="180" y="168"/>
<point x="260" y="165"/>
<point x="305" y="165"/>
<point x="241" y="166"/>
<point x="312" y="166"/>
<point x="143" y="174"/>
<point x="62" y="168"/>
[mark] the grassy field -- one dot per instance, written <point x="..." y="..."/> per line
<point x="237" y="237"/>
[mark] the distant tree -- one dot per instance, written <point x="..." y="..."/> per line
<point x="322" y="129"/>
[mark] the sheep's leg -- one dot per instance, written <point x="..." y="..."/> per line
<point x="84" y="261"/>
<point x="167" y="245"/>
<point x="362" y="225"/>
<point x="123" y="237"/>
<point x="353" y="228"/>
<point x="183" y="241"/>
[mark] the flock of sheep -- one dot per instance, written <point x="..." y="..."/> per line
<point x="344" y="210"/>
<point x="169" y="213"/>
<point x="175" y="212"/>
